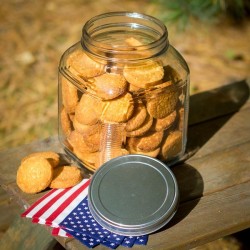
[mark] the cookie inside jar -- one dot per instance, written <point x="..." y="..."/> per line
<point x="122" y="98"/>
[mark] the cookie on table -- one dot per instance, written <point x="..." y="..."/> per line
<point x="65" y="177"/>
<point x="34" y="175"/>
<point x="52" y="157"/>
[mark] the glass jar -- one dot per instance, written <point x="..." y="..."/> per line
<point x="123" y="89"/>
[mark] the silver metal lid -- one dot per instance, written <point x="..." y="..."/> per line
<point x="133" y="195"/>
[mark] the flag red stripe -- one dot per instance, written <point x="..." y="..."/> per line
<point x="67" y="202"/>
<point x="49" y="204"/>
<point x="37" y="202"/>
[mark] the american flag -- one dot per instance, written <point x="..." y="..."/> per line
<point x="67" y="211"/>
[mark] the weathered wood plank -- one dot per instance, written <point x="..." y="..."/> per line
<point x="23" y="235"/>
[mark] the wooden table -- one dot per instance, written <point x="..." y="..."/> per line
<point x="214" y="179"/>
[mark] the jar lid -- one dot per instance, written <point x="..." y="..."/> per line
<point x="133" y="195"/>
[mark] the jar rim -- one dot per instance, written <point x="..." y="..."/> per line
<point x="138" y="21"/>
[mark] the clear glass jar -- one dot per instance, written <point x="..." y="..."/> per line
<point x="123" y="89"/>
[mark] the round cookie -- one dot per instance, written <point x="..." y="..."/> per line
<point x="138" y="117"/>
<point x="34" y="175"/>
<point x="144" y="75"/>
<point x="86" y="130"/>
<point x="65" y="177"/>
<point x="172" y="145"/>
<point x="90" y="160"/>
<point x="164" y="123"/>
<point x="88" y="110"/>
<point x="66" y="124"/>
<point x="69" y="95"/>
<point x="52" y="157"/>
<point x="163" y="104"/>
<point x="148" y="142"/>
<point x="81" y="64"/>
<point x="109" y="85"/>
<point x="77" y="141"/>
<point x="153" y="153"/>
<point x="119" y="109"/>
<point x="142" y="129"/>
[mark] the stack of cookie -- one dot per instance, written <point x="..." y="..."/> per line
<point x="42" y="170"/>
<point x="145" y="98"/>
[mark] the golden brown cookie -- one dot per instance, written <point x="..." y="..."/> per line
<point x="66" y="123"/>
<point x="81" y="64"/>
<point x="142" y="129"/>
<point x="162" y="104"/>
<point x="144" y="75"/>
<point x="34" y="175"/>
<point x="164" y="123"/>
<point x="88" y="110"/>
<point x="153" y="153"/>
<point x="148" y="142"/>
<point x="69" y="95"/>
<point x="172" y="145"/>
<point x="77" y="141"/>
<point x="86" y="130"/>
<point x="138" y="117"/>
<point x="90" y="160"/>
<point x="119" y="109"/>
<point x="109" y="86"/>
<point x="65" y="177"/>
<point x="52" y="157"/>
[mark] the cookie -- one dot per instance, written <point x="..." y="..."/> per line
<point x="66" y="123"/>
<point x="65" y="177"/>
<point x="162" y="104"/>
<point x="148" y="142"/>
<point x="86" y="130"/>
<point x="81" y="64"/>
<point x="153" y="153"/>
<point x="52" y="157"/>
<point x="138" y="117"/>
<point x="90" y="160"/>
<point x="69" y="95"/>
<point x="77" y="141"/>
<point x="142" y="129"/>
<point x="118" y="110"/>
<point x="172" y="145"/>
<point x="88" y="110"/>
<point x="34" y="175"/>
<point x="143" y="75"/>
<point x="164" y="123"/>
<point x="109" y="86"/>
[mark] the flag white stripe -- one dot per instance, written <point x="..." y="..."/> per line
<point x="43" y="203"/>
<point x="60" y="201"/>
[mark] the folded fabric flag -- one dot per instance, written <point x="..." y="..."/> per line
<point x="67" y="211"/>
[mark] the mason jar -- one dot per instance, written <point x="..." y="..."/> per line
<point x="123" y="89"/>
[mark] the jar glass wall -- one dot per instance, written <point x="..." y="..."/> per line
<point x="123" y="89"/>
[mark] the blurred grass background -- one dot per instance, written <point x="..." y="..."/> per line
<point x="212" y="35"/>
